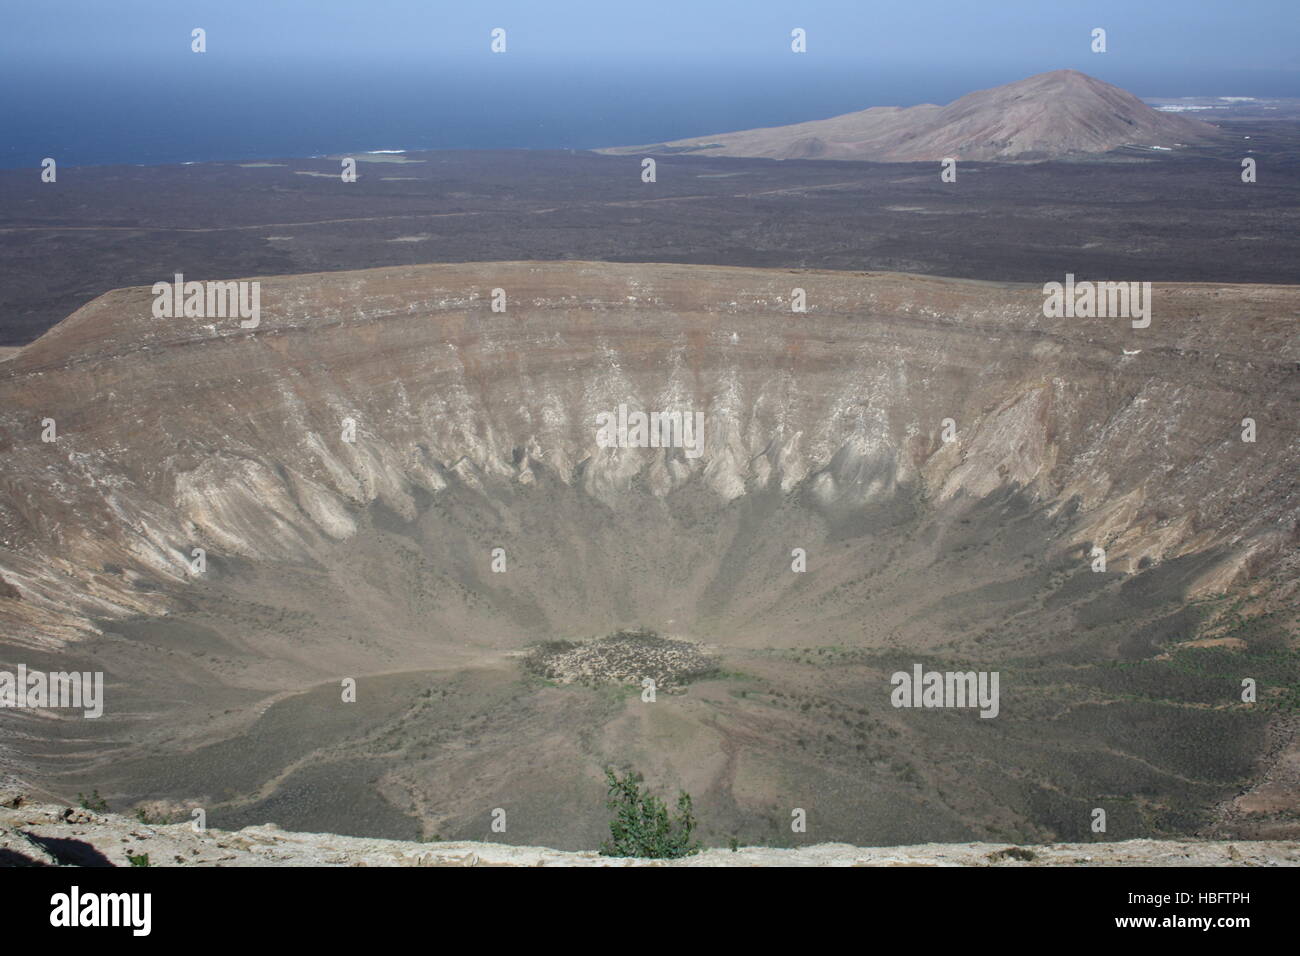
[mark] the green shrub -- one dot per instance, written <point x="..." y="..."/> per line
<point x="95" y="803"/>
<point x="642" y="827"/>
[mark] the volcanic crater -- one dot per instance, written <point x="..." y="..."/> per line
<point x="944" y="456"/>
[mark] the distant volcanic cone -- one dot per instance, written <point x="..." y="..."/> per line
<point x="1047" y="116"/>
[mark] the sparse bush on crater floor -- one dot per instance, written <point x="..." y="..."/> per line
<point x="624" y="657"/>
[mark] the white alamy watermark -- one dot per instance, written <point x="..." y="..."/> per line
<point x="209" y="300"/>
<point x="1102" y="300"/>
<point x="75" y="908"/>
<point x="39" y="690"/>
<point x="637" y="429"/>
<point x="946" y="689"/>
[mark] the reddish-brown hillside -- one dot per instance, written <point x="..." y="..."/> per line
<point x="1050" y="115"/>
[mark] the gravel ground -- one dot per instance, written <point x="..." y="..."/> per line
<point x="50" y="835"/>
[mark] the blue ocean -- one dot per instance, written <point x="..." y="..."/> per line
<point x="200" y="109"/>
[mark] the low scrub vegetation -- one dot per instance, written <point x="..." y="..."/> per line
<point x="642" y="825"/>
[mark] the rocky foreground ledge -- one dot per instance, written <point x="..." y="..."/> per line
<point x="51" y="835"/>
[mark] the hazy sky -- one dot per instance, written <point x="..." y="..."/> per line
<point x="116" y="81"/>
<point x="1145" y="35"/>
